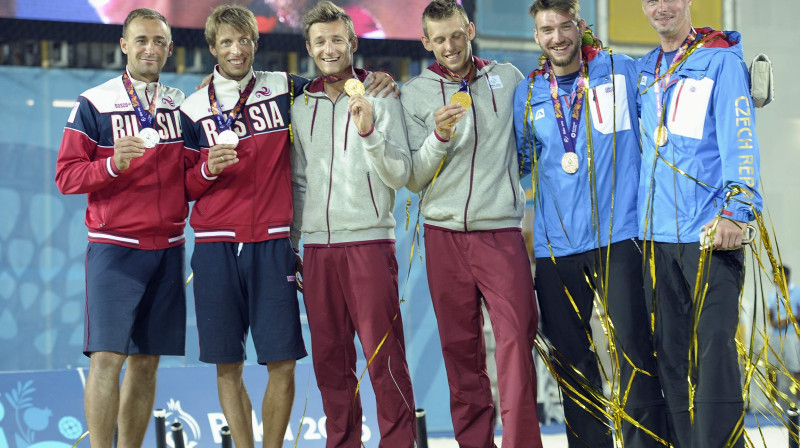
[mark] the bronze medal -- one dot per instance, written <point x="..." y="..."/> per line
<point x="569" y="163"/>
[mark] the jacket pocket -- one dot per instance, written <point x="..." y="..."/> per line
<point x="606" y="116"/>
<point x="688" y="107"/>
<point x="372" y="195"/>
<point x="511" y="184"/>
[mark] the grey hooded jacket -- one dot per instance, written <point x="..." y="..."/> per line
<point x="477" y="187"/>
<point x="344" y="183"/>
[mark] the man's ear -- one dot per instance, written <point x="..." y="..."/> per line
<point x="426" y="43"/>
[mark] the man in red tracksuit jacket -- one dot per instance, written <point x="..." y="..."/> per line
<point x="123" y="147"/>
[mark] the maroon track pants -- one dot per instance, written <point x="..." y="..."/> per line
<point x="349" y="290"/>
<point x="462" y="268"/>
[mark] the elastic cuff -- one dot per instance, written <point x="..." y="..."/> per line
<point x="207" y="175"/>
<point x="443" y="140"/>
<point x="112" y="168"/>
<point x="368" y="132"/>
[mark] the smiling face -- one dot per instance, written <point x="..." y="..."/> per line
<point x="234" y="50"/>
<point x="450" y="40"/>
<point x="328" y="43"/>
<point x="671" y="19"/>
<point x="559" y="36"/>
<point x="147" y="43"/>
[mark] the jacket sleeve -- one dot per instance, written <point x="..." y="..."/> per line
<point x="427" y="149"/>
<point x="197" y="178"/>
<point x="386" y="144"/>
<point x="298" y="162"/>
<point x="524" y="135"/>
<point x="736" y="137"/>
<point x="77" y="171"/>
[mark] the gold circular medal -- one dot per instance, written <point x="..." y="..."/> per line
<point x="354" y="87"/>
<point x="660" y="135"/>
<point x="461" y="98"/>
<point x="569" y="163"/>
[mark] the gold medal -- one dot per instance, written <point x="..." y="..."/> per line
<point x="353" y="87"/>
<point x="660" y="135"/>
<point x="569" y="163"/>
<point x="461" y="98"/>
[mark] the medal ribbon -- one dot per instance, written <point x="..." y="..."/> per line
<point x="224" y="123"/>
<point x="568" y="136"/>
<point x="330" y="79"/>
<point x="464" y="87"/>
<point x="662" y="83"/>
<point x="145" y="116"/>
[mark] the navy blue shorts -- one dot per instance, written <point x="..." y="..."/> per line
<point x="135" y="300"/>
<point x="241" y="286"/>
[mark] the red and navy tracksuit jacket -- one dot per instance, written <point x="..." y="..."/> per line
<point x="143" y="207"/>
<point x="251" y="200"/>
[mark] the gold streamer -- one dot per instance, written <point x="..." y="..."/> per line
<point x="79" y="439"/>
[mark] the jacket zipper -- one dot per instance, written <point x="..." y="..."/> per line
<point x="158" y="178"/>
<point x="472" y="167"/>
<point x="371" y="195"/>
<point x="248" y="125"/>
<point x="330" y="179"/>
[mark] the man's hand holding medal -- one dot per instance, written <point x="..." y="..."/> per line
<point x="447" y="116"/>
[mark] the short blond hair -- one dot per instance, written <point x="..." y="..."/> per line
<point x="237" y="16"/>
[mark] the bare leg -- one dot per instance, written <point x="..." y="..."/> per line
<point x="101" y="397"/>
<point x="235" y="403"/>
<point x="136" y="399"/>
<point x="278" y="399"/>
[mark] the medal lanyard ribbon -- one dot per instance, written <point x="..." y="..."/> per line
<point x="464" y="87"/>
<point x="330" y="79"/>
<point x="334" y="78"/>
<point x="224" y="123"/>
<point x="662" y="82"/>
<point x="145" y="116"/>
<point x="568" y="136"/>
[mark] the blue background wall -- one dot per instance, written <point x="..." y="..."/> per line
<point x="43" y="243"/>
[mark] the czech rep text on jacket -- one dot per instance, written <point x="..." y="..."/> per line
<point x="251" y="200"/>
<point x="573" y="212"/>
<point x="711" y="144"/>
<point x="143" y="207"/>
<point x="344" y="182"/>
<point x="478" y="187"/>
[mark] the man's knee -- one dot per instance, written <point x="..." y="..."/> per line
<point x="230" y="371"/>
<point x="282" y="371"/>
<point x="142" y="366"/>
<point x="106" y="363"/>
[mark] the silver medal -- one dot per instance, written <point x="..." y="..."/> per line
<point x="150" y="137"/>
<point x="228" y="137"/>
